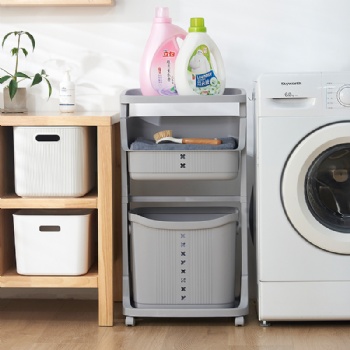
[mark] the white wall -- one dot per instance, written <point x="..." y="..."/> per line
<point x="103" y="45"/>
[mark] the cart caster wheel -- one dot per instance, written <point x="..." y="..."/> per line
<point x="239" y="321"/>
<point x="265" y="324"/>
<point x="130" y="321"/>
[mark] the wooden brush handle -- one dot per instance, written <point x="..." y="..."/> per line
<point x="200" y="141"/>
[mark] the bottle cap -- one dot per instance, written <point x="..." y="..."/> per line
<point x="197" y="25"/>
<point x="162" y="15"/>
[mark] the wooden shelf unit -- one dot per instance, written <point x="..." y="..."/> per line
<point x="56" y="2"/>
<point x="101" y="199"/>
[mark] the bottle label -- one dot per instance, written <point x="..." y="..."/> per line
<point x="162" y="69"/>
<point x="67" y="97"/>
<point x="201" y="75"/>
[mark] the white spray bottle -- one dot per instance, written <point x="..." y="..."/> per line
<point x="67" y="94"/>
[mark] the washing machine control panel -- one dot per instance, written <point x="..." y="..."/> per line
<point x="343" y="95"/>
<point x="337" y="95"/>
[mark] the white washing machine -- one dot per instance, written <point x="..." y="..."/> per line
<point x="303" y="196"/>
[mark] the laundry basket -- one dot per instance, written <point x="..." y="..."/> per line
<point x="183" y="257"/>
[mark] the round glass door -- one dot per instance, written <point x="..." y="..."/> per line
<point x="315" y="188"/>
<point x="327" y="188"/>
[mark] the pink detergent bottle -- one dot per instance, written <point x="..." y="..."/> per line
<point x="158" y="60"/>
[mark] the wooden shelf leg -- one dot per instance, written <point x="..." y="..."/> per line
<point x="105" y="226"/>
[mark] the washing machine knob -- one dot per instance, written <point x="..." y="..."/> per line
<point x="343" y="95"/>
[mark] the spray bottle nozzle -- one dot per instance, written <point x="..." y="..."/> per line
<point x="66" y="76"/>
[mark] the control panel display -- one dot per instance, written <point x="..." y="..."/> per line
<point x="337" y="95"/>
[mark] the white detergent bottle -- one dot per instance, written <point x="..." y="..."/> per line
<point x="67" y="94"/>
<point x="158" y="60"/>
<point x="199" y="68"/>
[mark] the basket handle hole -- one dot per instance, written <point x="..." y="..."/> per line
<point x="49" y="228"/>
<point x="47" y="138"/>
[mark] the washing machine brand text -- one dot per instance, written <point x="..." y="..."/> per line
<point x="291" y="83"/>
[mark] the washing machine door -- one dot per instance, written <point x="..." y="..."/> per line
<point x="315" y="188"/>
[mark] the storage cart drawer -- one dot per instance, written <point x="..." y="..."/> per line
<point x="183" y="257"/>
<point x="53" y="242"/>
<point x="183" y="165"/>
<point x="54" y="161"/>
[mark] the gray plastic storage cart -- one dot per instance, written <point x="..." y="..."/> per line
<point x="184" y="207"/>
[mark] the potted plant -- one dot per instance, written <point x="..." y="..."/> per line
<point x="14" y="96"/>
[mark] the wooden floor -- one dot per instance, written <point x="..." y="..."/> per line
<point x="72" y="325"/>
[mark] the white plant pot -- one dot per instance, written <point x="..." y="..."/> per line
<point x="19" y="102"/>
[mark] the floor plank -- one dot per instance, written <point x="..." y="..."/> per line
<point x="72" y="325"/>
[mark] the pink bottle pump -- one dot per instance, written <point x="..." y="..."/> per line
<point x="158" y="60"/>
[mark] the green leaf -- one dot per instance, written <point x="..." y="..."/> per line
<point x="30" y="36"/>
<point x="25" y="52"/>
<point x="14" y="51"/>
<point x="49" y="85"/>
<point x="4" y="78"/>
<point x="5" y="37"/>
<point x="43" y="72"/>
<point x="37" y="79"/>
<point x="22" y="75"/>
<point x="13" y="88"/>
